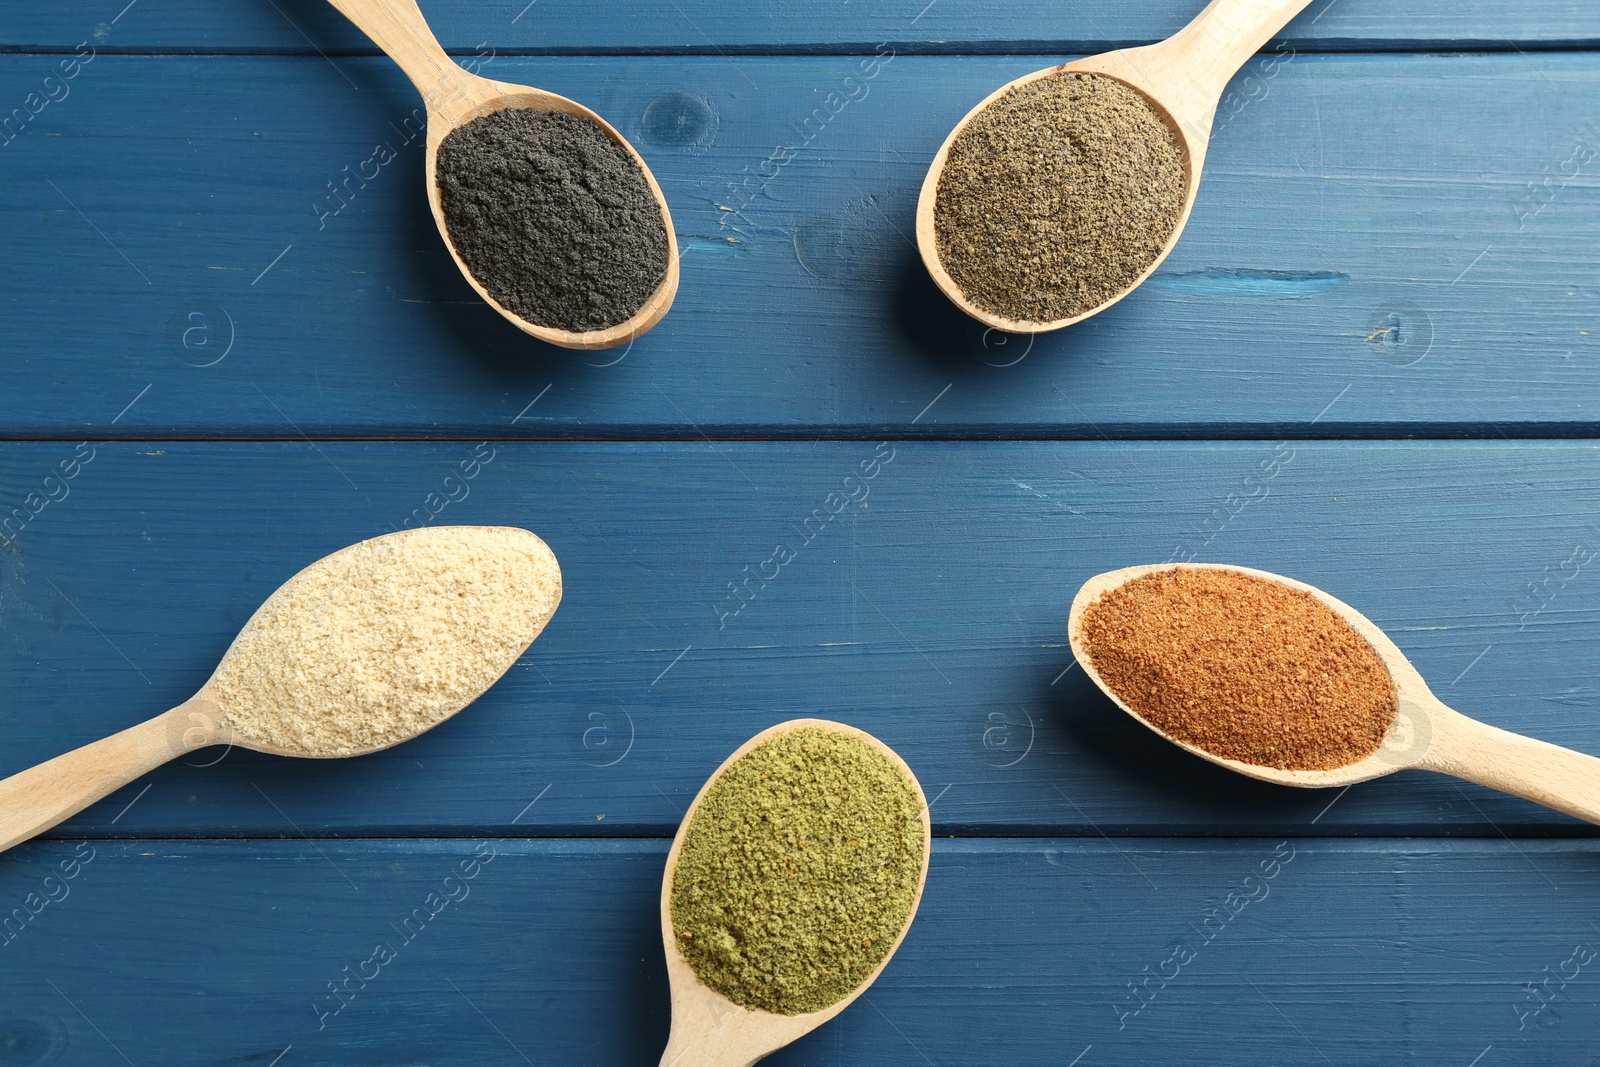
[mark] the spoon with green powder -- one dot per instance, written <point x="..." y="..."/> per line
<point x="364" y="649"/>
<point x="1278" y="680"/>
<point x="793" y="878"/>
<point x="548" y="211"/>
<point x="1063" y="190"/>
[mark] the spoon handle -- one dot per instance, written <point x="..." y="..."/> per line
<point x="1546" y="774"/>
<point x="38" y="798"/>
<point x="1212" y="47"/>
<point x="730" y="1041"/>
<point x="397" y="27"/>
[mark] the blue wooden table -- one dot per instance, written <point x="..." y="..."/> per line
<point x="1372" y="364"/>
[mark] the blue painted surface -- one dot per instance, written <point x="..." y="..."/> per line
<point x="212" y="377"/>
<point x="805" y="310"/>
<point x="705" y="27"/>
<point x="931" y="612"/>
<point x="1274" y="951"/>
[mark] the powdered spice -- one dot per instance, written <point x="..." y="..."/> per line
<point x="387" y="638"/>
<point x="798" y="871"/>
<point x="1057" y="196"/>
<point x="553" y="217"/>
<point x="1242" y="667"/>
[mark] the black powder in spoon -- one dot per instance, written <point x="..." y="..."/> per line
<point x="553" y="217"/>
<point x="1057" y="196"/>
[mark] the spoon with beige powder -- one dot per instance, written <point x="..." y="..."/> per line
<point x="360" y="651"/>
<point x="1278" y="680"/>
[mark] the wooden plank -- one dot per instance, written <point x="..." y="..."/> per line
<point x="1022" y="953"/>
<point x="556" y="26"/>
<point x="1380" y="292"/>
<point x="930" y="612"/>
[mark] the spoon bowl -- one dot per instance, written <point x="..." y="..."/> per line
<point x="1182" y="78"/>
<point x="40" y="797"/>
<point x="1425" y="734"/>
<point x="708" y="1029"/>
<point x="453" y="97"/>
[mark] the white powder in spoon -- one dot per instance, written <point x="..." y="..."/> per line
<point x="387" y="638"/>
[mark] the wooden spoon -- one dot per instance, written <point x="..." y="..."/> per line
<point x="1183" y="77"/>
<point x="1425" y="733"/>
<point x="708" y="1029"/>
<point x="36" y="799"/>
<point x="454" y="97"/>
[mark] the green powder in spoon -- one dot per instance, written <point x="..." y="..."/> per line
<point x="798" y="871"/>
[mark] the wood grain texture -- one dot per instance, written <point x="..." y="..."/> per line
<point x="931" y="612"/>
<point x="555" y="26"/>
<point x="1549" y="774"/>
<point x="39" y="797"/>
<point x="1381" y="951"/>
<point x="202" y="244"/>
<point x="1357" y="263"/>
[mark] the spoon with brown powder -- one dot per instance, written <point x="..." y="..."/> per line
<point x="1063" y="190"/>
<point x="791" y="882"/>
<point x="1278" y="680"/>
<point x="364" y="649"/>
<point x="571" y="239"/>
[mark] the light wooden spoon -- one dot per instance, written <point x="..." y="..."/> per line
<point x="36" y="799"/>
<point x="708" y="1029"/>
<point x="1183" y="77"/>
<point x="1425" y="734"/>
<point x="454" y="97"/>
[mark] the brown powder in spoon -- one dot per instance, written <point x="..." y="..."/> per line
<point x="1242" y="667"/>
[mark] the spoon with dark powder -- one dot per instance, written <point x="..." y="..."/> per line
<point x="1063" y="190"/>
<point x="363" y="649"/>
<point x="549" y="212"/>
